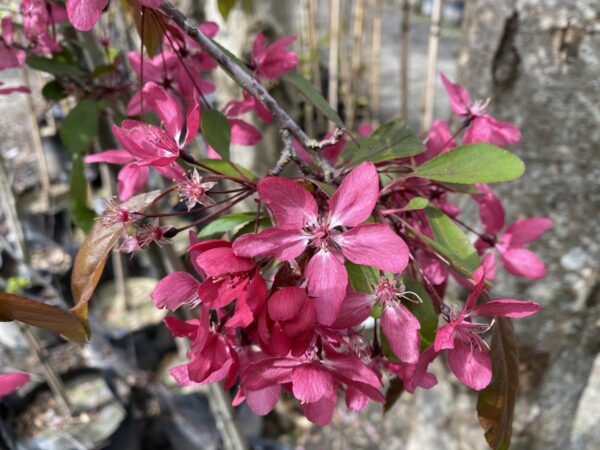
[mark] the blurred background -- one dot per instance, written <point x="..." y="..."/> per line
<point x="539" y="63"/>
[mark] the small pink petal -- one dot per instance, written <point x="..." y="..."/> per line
<point x="290" y="202"/>
<point x="286" y="303"/>
<point x="327" y="281"/>
<point x="262" y="401"/>
<point x="10" y="382"/>
<point x="353" y="202"/>
<point x="527" y="230"/>
<point x="471" y="365"/>
<point x="458" y="96"/>
<point x="311" y="382"/>
<point x="84" y="14"/>
<point x="321" y="412"/>
<point x="109" y="156"/>
<point x="355" y="309"/>
<point x="175" y="290"/>
<point x="221" y="261"/>
<point x="401" y="328"/>
<point x="523" y="263"/>
<point x="487" y="129"/>
<point x="375" y="245"/>
<point x="131" y="179"/>
<point x="166" y="108"/>
<point x="506" y="307"/>
<point x="242" y="133"/>
<point x="284" y="242"/>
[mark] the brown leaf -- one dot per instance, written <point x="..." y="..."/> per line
<point x="151" y="22"/>
<point x="393" y="394"/>
<point x="93" y="253"/>
<point x="51" y="318"/>
<point x="496" y="403"/>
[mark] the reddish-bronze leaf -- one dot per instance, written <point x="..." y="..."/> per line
<point x="150" y="25"/>
<point x="21" y="309"/>
<point x="496" y="403"/>
<point x="93" y="253"/>
<point x="393" y="393"/>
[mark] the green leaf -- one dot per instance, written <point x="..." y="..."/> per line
<point x="223" y="224"/>
<point x="263" y="222"/>
<point x="225" y="7"/>
<point x="416" y="203"/>
<point x="496" y="403"/>
<point x="328" y="189"/>
<point x="424" y="312"/>
<point x="53" y="90"/>
<point x="311" y="93"/>
<point x="80" y="213"/>
<point x="53" y="66"/>
<point x="362" y="278"/>
<point x="226" y="168"/>
<point x="392" y="140"/>
<point x="455" y="243"/>
<point x="216" y="131"/>
<point x="80" y="126"/>
<point x="473" y="163"/>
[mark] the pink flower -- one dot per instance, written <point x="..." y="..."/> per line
<point x="193" y="191"/>
<point x="9" y="56"/>
<point x="483" y="127"/>
<point x="313" y="381"/>
<point x="288" y="322"/>
<point x="300" y="225"/>
<point x="227" y="278"/>
<point x="415" y="375"/>
<point x="468" y="355"/>
<point x="510" y="245"/>
<point x="10" y="382"/>
<point x="249" y="103"/>
<point x="212" y="355"/>
<point x="38" y="18"/>
<point x="272" y="61"/>
<point x="439" y="140"/>
<point x="147" y="145"/>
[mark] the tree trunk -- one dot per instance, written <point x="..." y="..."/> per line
<point x="539" y="60"/>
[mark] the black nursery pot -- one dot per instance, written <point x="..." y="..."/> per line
<point x="101" y="417"/>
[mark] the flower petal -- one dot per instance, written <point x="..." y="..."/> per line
<point x="523" y="263"/>
<point x="131" y="179"/>
<point x="166" y="109"/>
<point x="327" y="281"/>
<point x="471" y="365"/>
<point x="242" y="133"/>
<point x="221" y="261"/>
<point x="290" y="202"/>
<point x="286" y="303"/>
<point x="262" y="401"/>
<point x="310" y="382"/>
<point x="10" y="382"/>
<point x="487" y="129"/>
<point x="458" y="96"/>
<point x="109" y="156"/>
<point x="506" y="307"/>
<point x="355" y="309"/>
<point x="84" y="14"/>
<point x="401" y="328"/>
<point x="527" y="230"/>
<point x="175" y="290"/>
<point x="321" y="412"/>
<point x="283" y="242"/>
<point x="354" y="200"/>
<point x="375" y="245"/>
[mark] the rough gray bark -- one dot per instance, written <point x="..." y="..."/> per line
<point x="539" y="60"/>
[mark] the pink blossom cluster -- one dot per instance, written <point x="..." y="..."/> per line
<point x="276" y="307"/>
